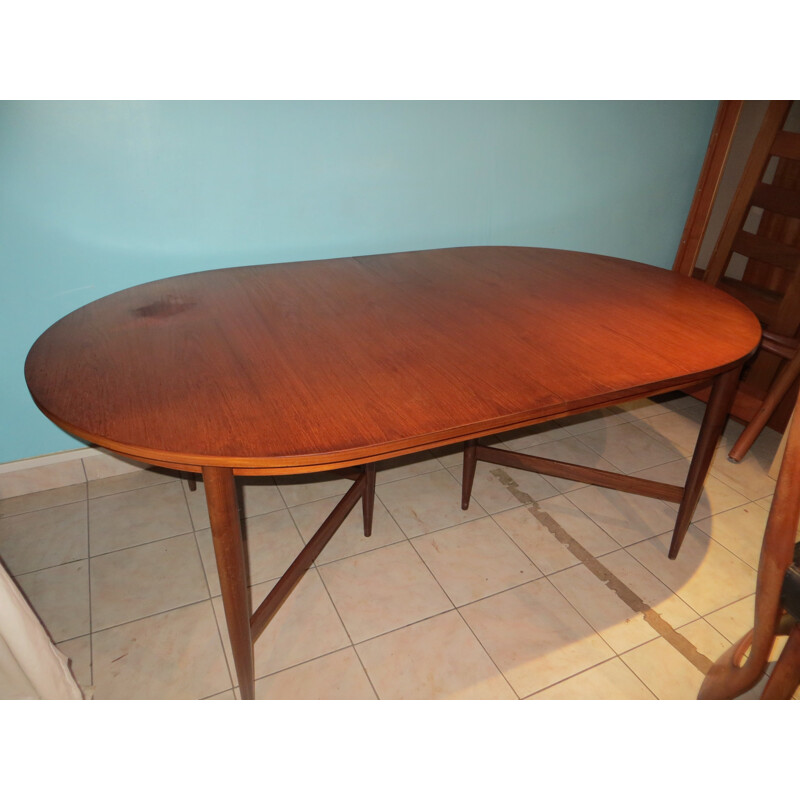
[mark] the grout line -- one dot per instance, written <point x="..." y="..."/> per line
<point x="72" y="502"/>
<point x="344" y="627"/>
<point x="600" y="571"/>
<point x="208" y="589"/>
<point x="89" y="582"/>
<point x="674" y="593"/>
<point x="457" y="608"/>
<point x="408" y="540"/>
<point x="529" y="505"/>
<point x="721" y="608"/>
<point x="150" y="616"/>
<point x="166" y="480"/>
<point x="140" y="544"/>
<point x="598" y="664"/>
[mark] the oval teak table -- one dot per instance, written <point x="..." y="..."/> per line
<point x="337" y="364"/>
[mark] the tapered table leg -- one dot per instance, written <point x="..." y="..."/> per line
<point x="226" y="532"/>
<point x="719" y="405"/>
<point x="468" y="475"/>
<point x="368" y="498"/>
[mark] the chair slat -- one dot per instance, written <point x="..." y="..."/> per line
<point x="786" y="145"/>
<point x="769" y="250"/>
<point x="776" y="199"/>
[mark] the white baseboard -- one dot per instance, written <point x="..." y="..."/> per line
<point x="43" y="461"/>
<point x="56" y="470"/>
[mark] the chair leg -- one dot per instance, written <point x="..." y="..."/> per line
<point x="785" y="676"/>
<point x="781" y="385"/>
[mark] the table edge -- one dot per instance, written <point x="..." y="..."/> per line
<point x="322" y="462"/>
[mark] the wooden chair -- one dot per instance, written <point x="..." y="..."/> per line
<point x="777" y="608"/>
<point x="785" y="348"/>
<point x="770" y="283"/>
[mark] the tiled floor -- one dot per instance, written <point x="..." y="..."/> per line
<point x="525" y="595"/>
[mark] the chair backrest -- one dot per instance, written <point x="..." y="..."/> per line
<point x="770" y="283"/>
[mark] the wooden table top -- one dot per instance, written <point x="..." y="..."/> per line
<point x="290" y="368"/>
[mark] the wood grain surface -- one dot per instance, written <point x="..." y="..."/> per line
<point x="299" y="367"/>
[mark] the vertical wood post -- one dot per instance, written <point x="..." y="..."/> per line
<point x="717" y="410"/>
<point x="226" y="533"/>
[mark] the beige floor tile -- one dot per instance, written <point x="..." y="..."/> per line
<point x="126" y="482"/>
<point x="196" y="503"/>
<point x="395" y="469"/>
<point x="271" y="544"/>
<point x="620" y="626"/>
<point x="137" y="517"/>
<point x="740" y="530"/>
<point x="708" y="641"/>
<point x="44" y="538"/>
<point x="764" y="447"/>
<point x="24" y="503"/>
<point x="42" y="478"/>
<point x="705" y="575"/>
<point x="749" y="477"/>
<point x="493" y="494"/>
<point x="643" y="408"/>
<point x="79" y="653"/>
<point x="628" y="448"/>
<point x="672" y="430"/>
<point x="535" y="636"/>
<point x="598" y="419"/>
<point x="144" y="580"/>
<point x="734" y="620"/>
<point x="535" y="540"/>
<point x="473" y="560"/>
<point x="531" y="436"/>
<point x="257" y="496"/>
<point x="765" y="502"/>
<point x="382" y="590"/>
<point x="349" y="540"/>
<point x="174" y="655"/>
<point x="337" y="676"/>
<point x="451" y="455"/>
<point x="539" y="542"/>
<point x="306" y="627"/>
<point x="627" y="518"/>
<point x="733" y="430"/>
<point x="664" y="671"/>
<point x="716" y="497"/>
<point x="229" y="695"/>
<point x="100" y="464"/>
<point x="737" y="619"/>
<point x="298" y="489"/>
<point x="60" y="597"/>
<point x="611" y="680"/>
<point x="436" y="659"/>
<point x="571" y="451"/>
<point x="657" y="595"/>
<point x="426" y="503"/>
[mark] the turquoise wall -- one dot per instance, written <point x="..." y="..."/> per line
<point x="98" y="196"/>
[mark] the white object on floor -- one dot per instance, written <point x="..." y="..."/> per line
<point x="31" y="666"/>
